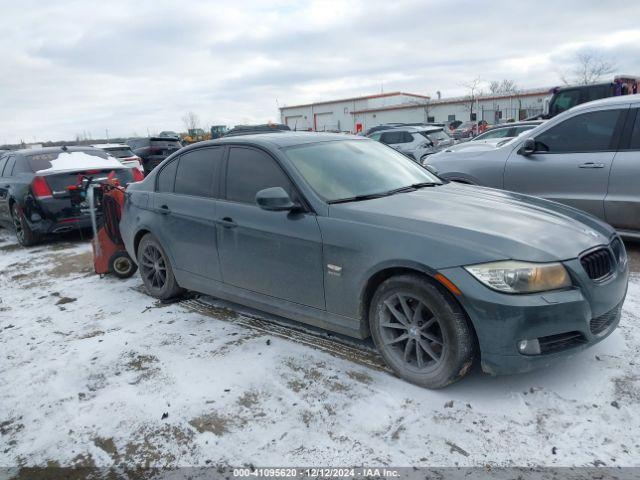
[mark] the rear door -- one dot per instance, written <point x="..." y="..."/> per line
<point x="622" y="203"/>
<point x="273" y="253"/>
<point x="572" y="161"/>
<point x="185" y="206"/>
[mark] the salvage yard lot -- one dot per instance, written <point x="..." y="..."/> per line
<point x="95" y="373"/>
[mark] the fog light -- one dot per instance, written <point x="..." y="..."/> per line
<point x="529" y="347"/>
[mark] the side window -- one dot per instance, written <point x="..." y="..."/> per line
<point x="196" y="171"/>
<point x="564" y="101"/>
<point x="8" y="168"/>
<point x="391" y="138"/>
<point x="588" y="132"/>
<point x="635" y="133"/>
<point x="167" y="177"/>
<point x="3" y="162"/>
<point x="249" y="171"/>
<point x="408" y="138"/>
<point x="375" y="136"/>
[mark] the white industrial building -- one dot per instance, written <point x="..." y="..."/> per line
<point x="360" y="113"/>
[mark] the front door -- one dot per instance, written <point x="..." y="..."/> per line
<point x="571" y="163"/>
<point x="622" y="203"/>
<point x="186" y="208"/>
<point x="273" y="253"/>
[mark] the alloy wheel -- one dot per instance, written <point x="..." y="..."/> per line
<point x="412" y="333"/>
<point x="17" y="225"/>
<point x="154" y="267"/>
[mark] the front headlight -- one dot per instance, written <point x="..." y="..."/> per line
<point x="511" y="276"/>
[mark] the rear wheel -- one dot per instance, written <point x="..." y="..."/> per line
<point x="422" y="334"/>
<point x="26" y="237"/>
<point x="155" y="269"/>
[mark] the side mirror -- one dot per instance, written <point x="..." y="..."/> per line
<point x="528" y="147"/>
<point x="274" y="199"/>
<point x="431" y="168"/>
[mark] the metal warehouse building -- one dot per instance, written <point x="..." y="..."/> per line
<point x="361" y="113"/>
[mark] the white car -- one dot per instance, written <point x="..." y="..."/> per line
<point x="123" y="153"/>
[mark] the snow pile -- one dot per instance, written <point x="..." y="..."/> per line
<point x="93" y="372"/>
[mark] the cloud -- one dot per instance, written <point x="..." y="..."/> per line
<point x="71" y="66"/>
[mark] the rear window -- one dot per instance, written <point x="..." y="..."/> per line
<point x="93" y="159"/>
<point x="165" y="142"/>
<point x="437" y="136"/>
<point x="121" y="152"/>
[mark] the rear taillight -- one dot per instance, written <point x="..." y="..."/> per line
<point x="138" y="176"/>
<point x="40" y="188"/>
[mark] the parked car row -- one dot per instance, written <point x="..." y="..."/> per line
<point x="416" y="142"/>
<point x="587" y="157"/>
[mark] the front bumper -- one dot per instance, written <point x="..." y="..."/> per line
<point x="561" y="319"/>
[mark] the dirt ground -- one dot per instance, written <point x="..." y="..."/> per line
<point x="94" y="373"/>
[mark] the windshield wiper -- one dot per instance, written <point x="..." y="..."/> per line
<point x="370" y="196"/>
<point x="412" y="187"/>
<point x="358" y="198"/>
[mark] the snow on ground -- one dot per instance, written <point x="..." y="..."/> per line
<point x="93" y="372"/>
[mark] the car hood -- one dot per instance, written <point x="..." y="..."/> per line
<point x="476" y="145"/>
<point x="488" y="224"/>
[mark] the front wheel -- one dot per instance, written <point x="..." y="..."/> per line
<point x="422" y="334"/>
<point x="155" y="269"/>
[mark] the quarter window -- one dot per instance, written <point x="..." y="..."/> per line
<point x="196" y="171"/>
<point x="8" y="168"/>
<point x="3" y="161"/>
<point x="589" y="132"/>
<point x="167" y="177"/>
<point x="250" y="171"/>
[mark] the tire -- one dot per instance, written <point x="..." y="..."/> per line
<point x="440" y="327"/>
<point x="26" y="237"/>
<point x="155" y="269"/>
<point x="121" y="265"/>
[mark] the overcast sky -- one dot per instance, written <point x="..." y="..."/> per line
<point x="133" y="66"/>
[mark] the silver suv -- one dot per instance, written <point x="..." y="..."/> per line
<point x="415" y="142"/>
<point x="587" y="157"/>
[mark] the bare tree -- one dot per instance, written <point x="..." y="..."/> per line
<point x="589" y="67"/>
<point x="474" y="90"/>
<point x="504" y="87"/>
<point x="191" y="121"/>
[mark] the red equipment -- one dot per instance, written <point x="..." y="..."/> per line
<point x="109" y="254"/>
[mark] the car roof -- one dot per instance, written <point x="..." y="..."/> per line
<point x="515" y="124"/>
<point x="412" y="128"/>
<point x="277" y="140"/>
<point x="34" y="151"/>
<point x="110" y="145"/>
<point x="619" y="100"/>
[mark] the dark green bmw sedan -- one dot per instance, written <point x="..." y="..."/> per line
<point x="346" y="234"/>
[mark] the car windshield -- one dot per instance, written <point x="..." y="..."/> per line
<point x="348" y="169"/>
<point x="120" y="152"/>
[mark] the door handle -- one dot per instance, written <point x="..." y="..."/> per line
<point x="591" y="165"/>
<point x="164" y="209"/>
<point x="227" y="222"/>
